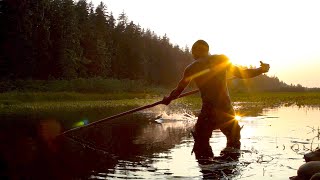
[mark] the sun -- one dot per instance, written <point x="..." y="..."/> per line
<point x="238" y="57"/>
<point x="237" y="117"/>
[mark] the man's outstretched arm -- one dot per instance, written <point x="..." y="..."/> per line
<point x="183" y="83"/>
<point x="249" y="73"/>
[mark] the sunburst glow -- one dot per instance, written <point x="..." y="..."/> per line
<point x="237" y="117"/>
<point x="245" y="31"/>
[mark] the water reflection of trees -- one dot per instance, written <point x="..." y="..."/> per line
<point x="134" y="139"/>
<point x="27" y="148"/>
<point x="135" y="136"/>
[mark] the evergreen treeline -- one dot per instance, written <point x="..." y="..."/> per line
<point x="63" y="39"/>
<point x="264" y="83"/>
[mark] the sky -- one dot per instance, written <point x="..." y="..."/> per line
<point x="283" y="33"/>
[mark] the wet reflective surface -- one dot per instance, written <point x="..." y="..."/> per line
<point x="154" y="145"/>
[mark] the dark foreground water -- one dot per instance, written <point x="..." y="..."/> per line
<point x="154" y="145"/>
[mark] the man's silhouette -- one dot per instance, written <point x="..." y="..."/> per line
<point x="209" y="73"/>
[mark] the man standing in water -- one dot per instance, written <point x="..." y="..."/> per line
<point x="209" y="73"/>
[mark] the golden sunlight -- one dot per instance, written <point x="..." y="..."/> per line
<point x="245" y="31"/>
<point x="237" y="117"/>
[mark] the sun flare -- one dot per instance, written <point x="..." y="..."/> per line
<point x="237" y="117"/>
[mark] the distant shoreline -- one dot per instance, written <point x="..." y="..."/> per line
<point x="12" y="103"/>
<point x="110" y="85"/>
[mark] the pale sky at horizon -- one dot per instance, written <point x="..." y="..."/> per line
<point x="283" y="33"/>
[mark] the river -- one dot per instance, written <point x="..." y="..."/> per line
<point x="155" y="145"/>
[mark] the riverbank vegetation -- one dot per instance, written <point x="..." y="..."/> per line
<point x="37" y="102"/>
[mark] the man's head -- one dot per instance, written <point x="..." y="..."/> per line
<point x="200" y="49"/>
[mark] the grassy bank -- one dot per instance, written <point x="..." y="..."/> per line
<point x="279" y="98"/>
<point x="22" y="97"/>
<point x="90" y="85"/>
<point x="267" y="99"/>
<point x="19" y="102"/>
<point x="31" y="96"/>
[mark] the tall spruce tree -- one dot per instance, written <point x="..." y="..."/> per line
<point x="65" y="40"/>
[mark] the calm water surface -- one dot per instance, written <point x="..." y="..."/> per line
<point x="154" y="145"/>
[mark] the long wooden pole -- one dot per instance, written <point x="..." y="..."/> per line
<point x="126" y="113"/>
<point x="131" y="111"/>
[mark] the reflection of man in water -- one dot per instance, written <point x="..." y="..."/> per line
<point x="209" y="73"/>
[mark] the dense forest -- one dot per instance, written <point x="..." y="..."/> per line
<point x="65" y="40"/>
<point x="61" y="39"/>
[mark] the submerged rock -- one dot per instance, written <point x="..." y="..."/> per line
<point x="309" y="169"/>
<point x="315" y="176"/>
<point x="312" y="156"/>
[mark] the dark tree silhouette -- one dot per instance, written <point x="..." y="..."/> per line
<point x="61" y="39"/>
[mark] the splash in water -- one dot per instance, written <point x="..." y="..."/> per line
<point x="184" y="116"/>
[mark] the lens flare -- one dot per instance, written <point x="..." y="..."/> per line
<point x="237" y="117"/>
<point x="81" y="123"/>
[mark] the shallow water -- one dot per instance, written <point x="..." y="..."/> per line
<point x="154" y="145"/>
